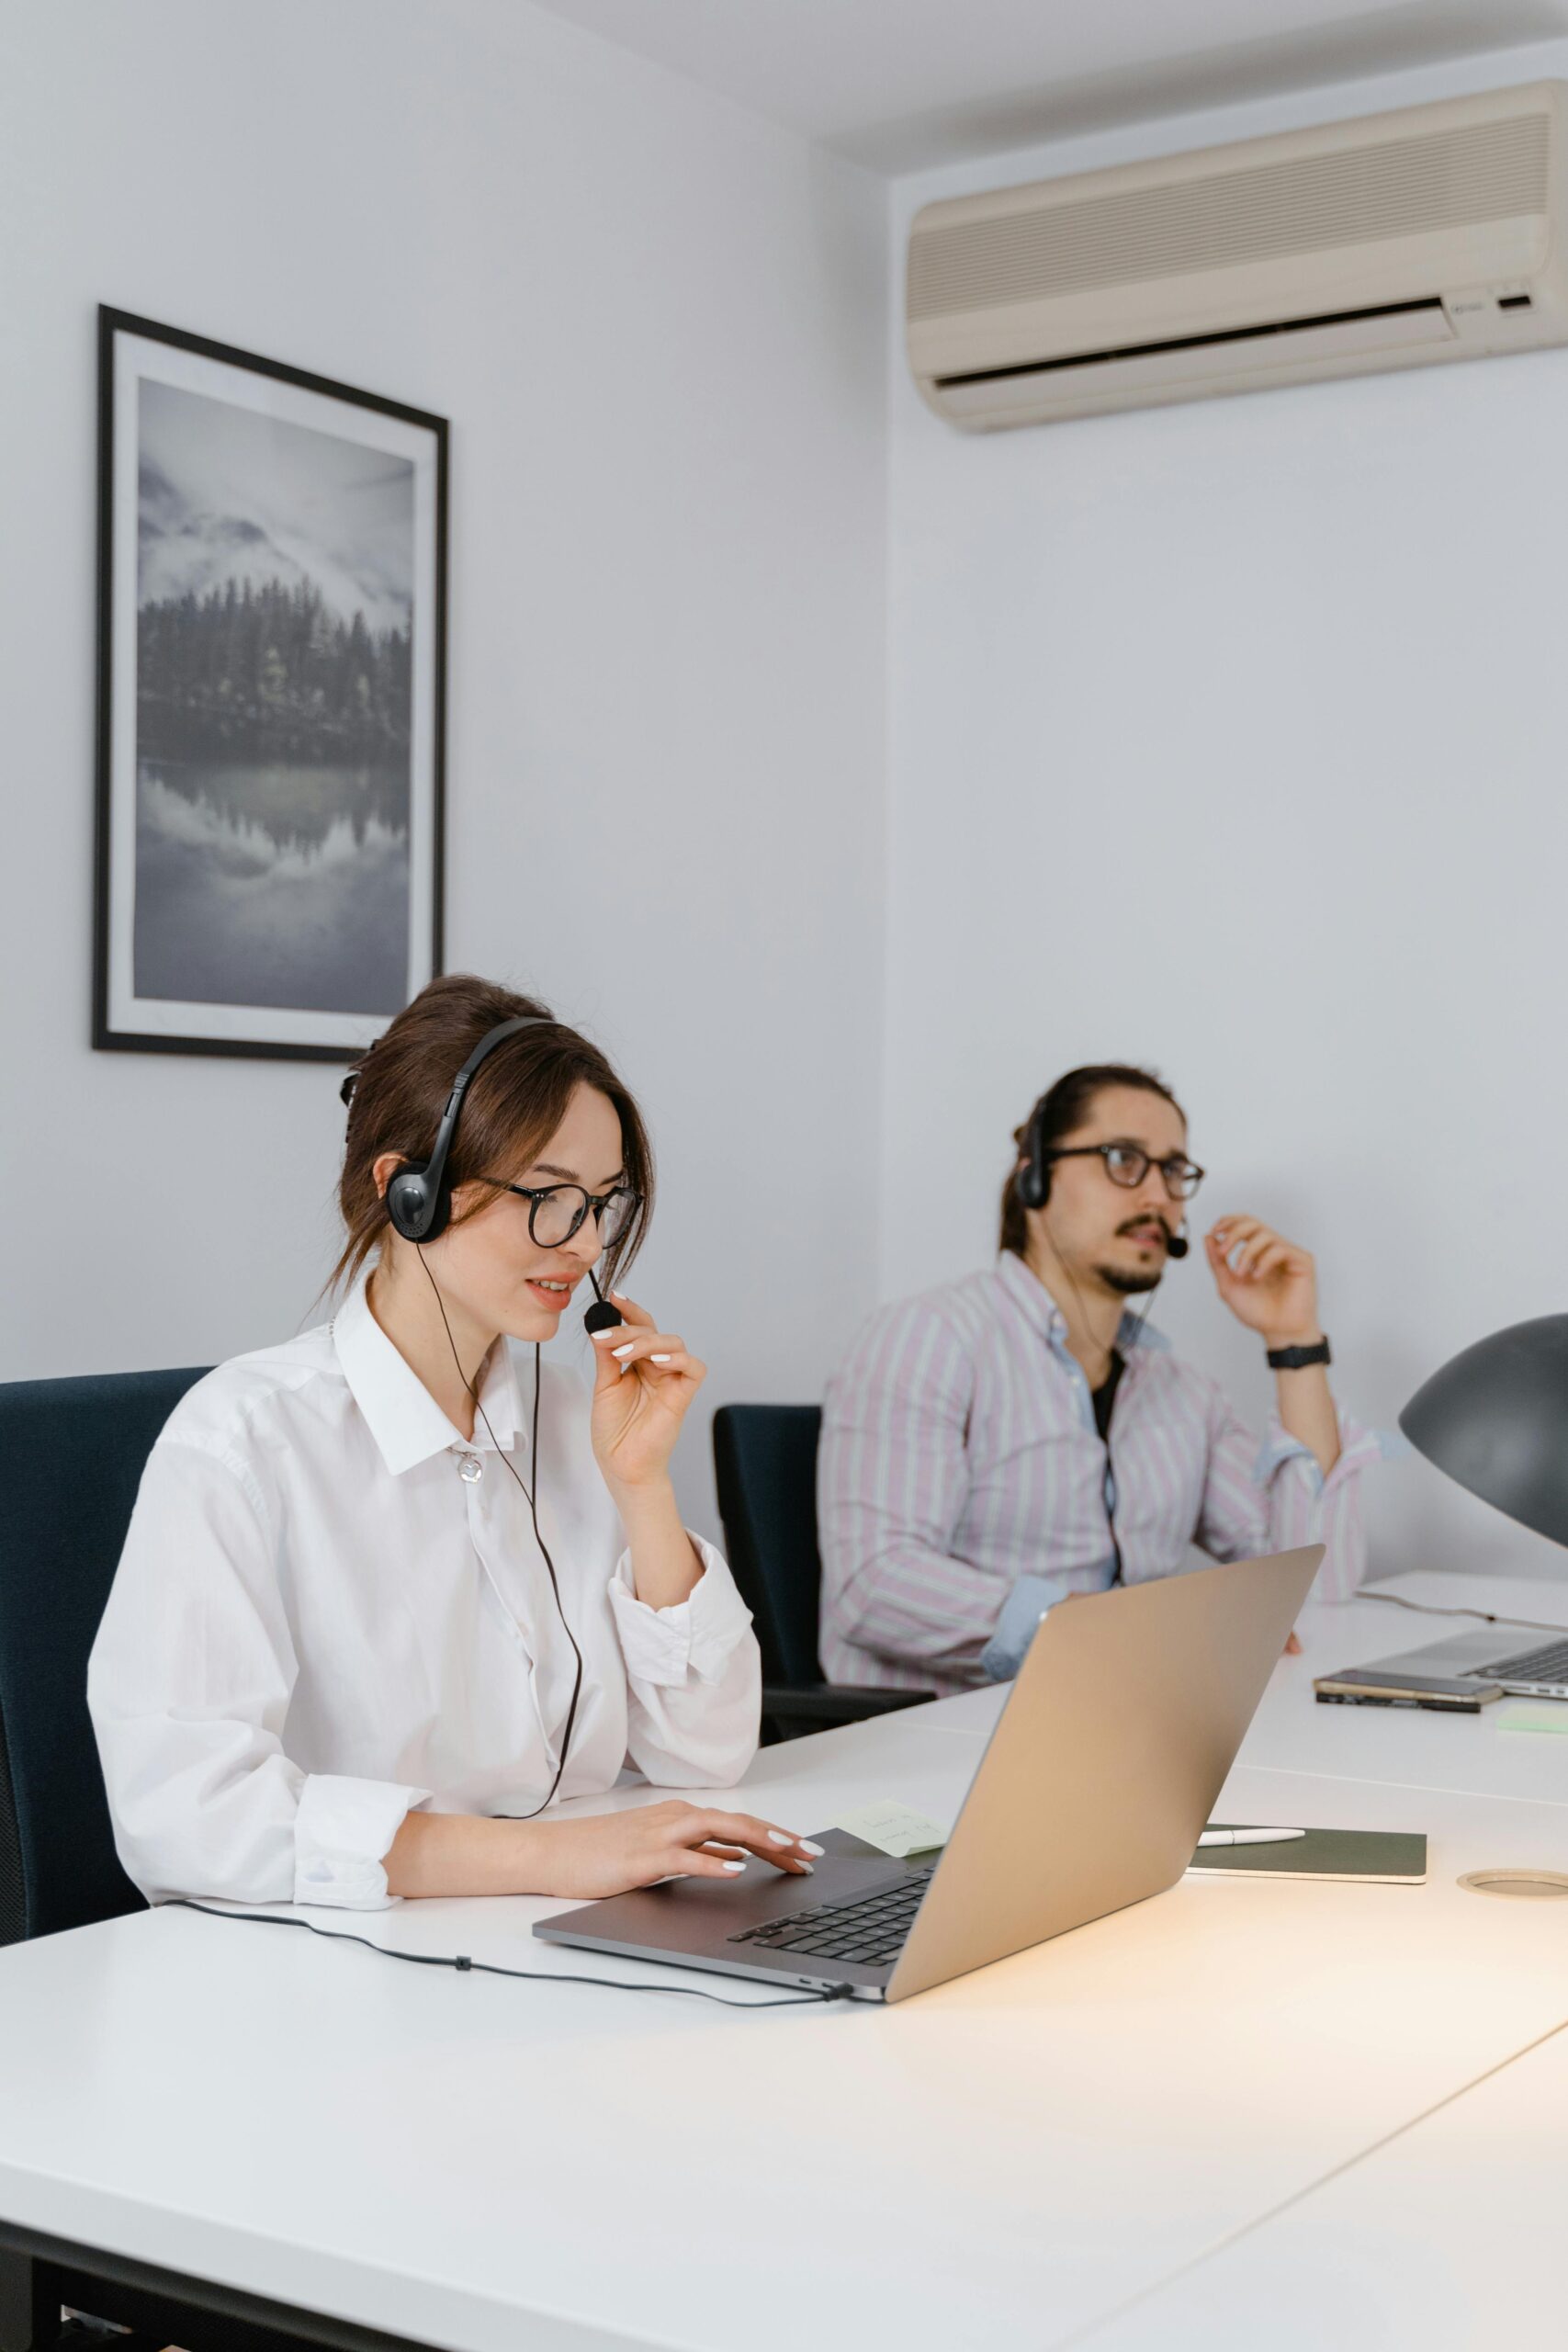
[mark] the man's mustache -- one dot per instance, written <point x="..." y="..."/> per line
<point x="1150" y="1216"/>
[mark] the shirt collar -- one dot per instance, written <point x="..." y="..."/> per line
<point x="1046" y="1316"/>
<point x="404" y="1418"/>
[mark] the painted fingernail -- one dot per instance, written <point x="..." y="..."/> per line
<point x="734" y="1866"/>
<point x="659" y="1358"/>
<point x="807" y="1847"/>
<point x="622" y="1297"/>
<point x="625" y="1350"/>
<point x="782" y="1837"/>
<point x="803" y="1869"/>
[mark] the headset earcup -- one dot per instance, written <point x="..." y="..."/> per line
<point x="1034" y="1176"/>
<point x="410" y="1207"/>
<point x="1034" y="1183"/>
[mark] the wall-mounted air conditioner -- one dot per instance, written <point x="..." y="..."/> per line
<point x="1434" y="234"/>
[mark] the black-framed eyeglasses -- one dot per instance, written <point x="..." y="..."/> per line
<point x="1127" y="1166"/>
<point x="555" y="1212"/>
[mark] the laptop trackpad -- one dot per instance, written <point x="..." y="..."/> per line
<point x="849" y="1869"/>
<point x="1461" y="1654"/>
<point x="684" y="1914"/>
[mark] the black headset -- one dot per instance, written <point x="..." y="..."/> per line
<point x="1034" y="1175"/>
<point x="419" y="1196"/>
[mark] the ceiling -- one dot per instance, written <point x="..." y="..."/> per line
<point x="902" y="84"/>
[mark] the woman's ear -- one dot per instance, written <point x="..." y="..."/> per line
<point x="383" y="1169"/>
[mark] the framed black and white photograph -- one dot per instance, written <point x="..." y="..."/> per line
<point x="271" y="685"/>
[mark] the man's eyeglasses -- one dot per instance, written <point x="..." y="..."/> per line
<point x="555" y="1212"/>
<point x="1127" y="1166"/>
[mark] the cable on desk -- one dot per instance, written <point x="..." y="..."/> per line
<point x="1430" y="1609"/>
<point x="488" y="1968"/>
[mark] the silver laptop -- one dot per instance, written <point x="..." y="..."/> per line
<point x="1536" y="1670"/>
<point x="1116" y="1737"/>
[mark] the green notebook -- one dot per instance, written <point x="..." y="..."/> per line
<point x="1379" y="1856"/>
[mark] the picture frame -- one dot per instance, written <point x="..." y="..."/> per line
<point x="271" y="718"/>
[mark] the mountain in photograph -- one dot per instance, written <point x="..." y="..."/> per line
<point x="188" y="545"/>
<point x="274" y="587"/>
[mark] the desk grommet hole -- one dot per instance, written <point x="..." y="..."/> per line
<point x="1539" y="1886"/>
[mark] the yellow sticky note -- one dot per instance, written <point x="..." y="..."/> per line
<point x="894" y="1829"/>
<point x="1520" y="1714"/>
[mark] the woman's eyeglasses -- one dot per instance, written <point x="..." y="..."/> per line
<point x="1127" y="1166"/>
<point x="556" y="1211"/>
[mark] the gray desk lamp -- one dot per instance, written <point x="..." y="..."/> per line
<point x="1495" y="1419"/>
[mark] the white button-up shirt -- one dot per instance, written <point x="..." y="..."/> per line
<point x="332" y="1607"/>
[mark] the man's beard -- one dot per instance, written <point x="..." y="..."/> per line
<point x="1127" y="1283"/>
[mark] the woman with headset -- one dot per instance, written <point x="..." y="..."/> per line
<point x="391" y="1588"/>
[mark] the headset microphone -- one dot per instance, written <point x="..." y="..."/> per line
<point x="602" y="1315"/>
<point x="1177" y="1245"/>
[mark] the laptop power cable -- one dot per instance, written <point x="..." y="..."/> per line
<point x="464" y="1966"/>
<point x="1488" y="1616"/>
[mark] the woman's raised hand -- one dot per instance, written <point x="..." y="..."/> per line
<point x="609" y="1853"/>
<point x="645" y="1379"/>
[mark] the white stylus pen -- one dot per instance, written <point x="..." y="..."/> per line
<point x="1248" y="1837"/>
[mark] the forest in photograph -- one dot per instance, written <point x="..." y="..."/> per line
<point x="268" y="670"/>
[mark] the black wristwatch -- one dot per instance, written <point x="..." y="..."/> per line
<point x="1298" y="1359"/>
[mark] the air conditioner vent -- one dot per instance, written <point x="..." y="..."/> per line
<point x="1428" y="314"/>
<point x="1345" y="196"/>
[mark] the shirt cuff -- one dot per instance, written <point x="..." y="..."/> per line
<point x="1022" y="1611"/>
<point x="342" y="1834"/>
<point x="1359" y="1447"/>
<point x="696" y="1637"/>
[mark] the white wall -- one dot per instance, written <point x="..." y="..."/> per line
<point x="657" y="325"/>
<point x="1225" y="736"/>
<point x="1230" y="737"/>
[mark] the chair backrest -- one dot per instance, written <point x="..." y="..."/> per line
<point x="765" y="1463"/>
<point x="71" y="1458"/>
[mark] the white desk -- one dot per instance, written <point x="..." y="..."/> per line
<point x="1442" y="2238"/>
<point x="1004" y="2161"/>
<point x="1292" y="1732"/>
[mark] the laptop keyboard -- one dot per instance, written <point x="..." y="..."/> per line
<point x="1549" y="1664"/>
<point x="869" y="1930"/>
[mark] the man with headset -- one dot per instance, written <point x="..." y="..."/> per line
<point x="994" y="1446"/>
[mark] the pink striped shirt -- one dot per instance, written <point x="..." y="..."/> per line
<point x="963" y="1488"/>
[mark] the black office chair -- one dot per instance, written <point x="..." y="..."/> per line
<point x="765" y="1463"/>
<point x="71" y="1457"/>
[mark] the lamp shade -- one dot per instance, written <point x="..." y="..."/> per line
<point x="1495" y="1419"/>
